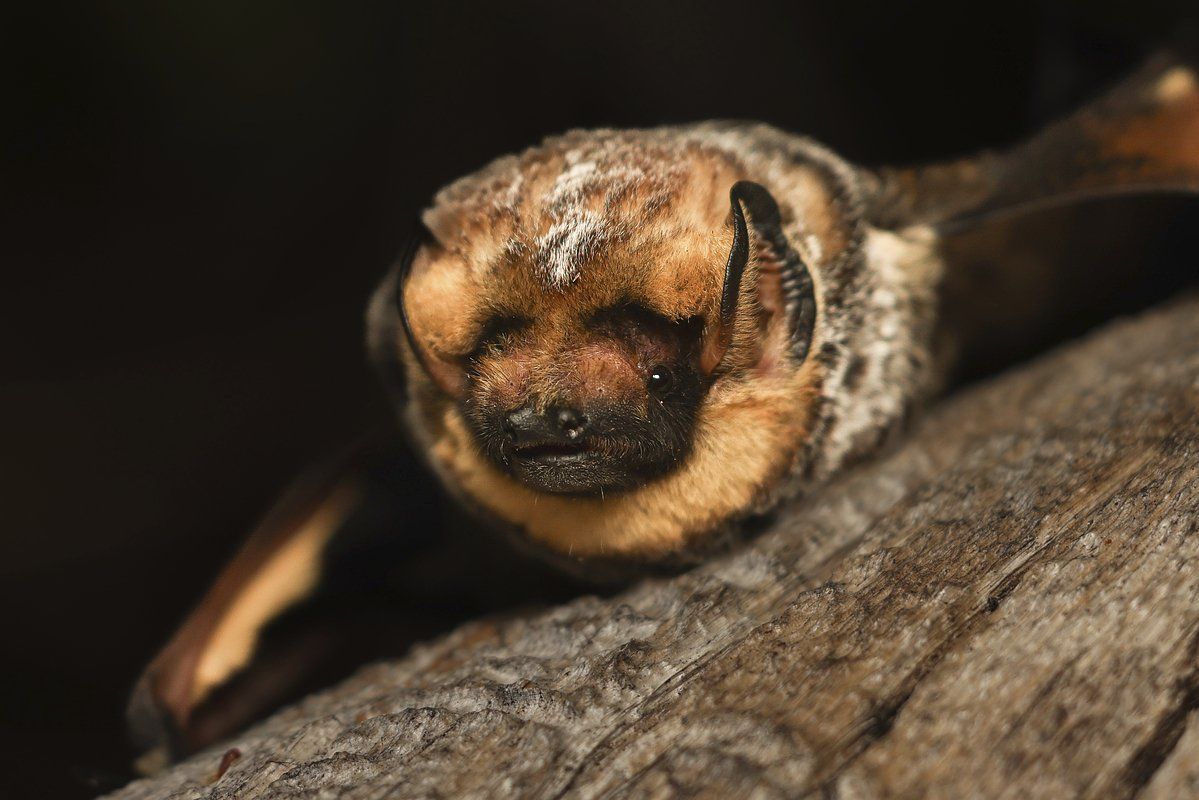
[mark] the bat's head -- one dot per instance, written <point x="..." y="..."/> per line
<point x="607" y="339"/>
<point x="562" y="302"/>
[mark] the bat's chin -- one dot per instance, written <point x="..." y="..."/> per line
<point x="571" y="470"/>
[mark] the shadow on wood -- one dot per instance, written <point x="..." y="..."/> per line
<point x="1006" y="605"/>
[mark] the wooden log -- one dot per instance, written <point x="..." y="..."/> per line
<point x="1007" y="605"/>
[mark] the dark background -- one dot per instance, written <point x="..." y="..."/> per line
<point x="199" y="196"/>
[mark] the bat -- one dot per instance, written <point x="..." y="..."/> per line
<point x="620" y="348"/>
<point x="620" y="343"/>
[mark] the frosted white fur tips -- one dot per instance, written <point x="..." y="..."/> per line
<point x="571" y="241"/>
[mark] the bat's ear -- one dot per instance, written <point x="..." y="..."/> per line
<point x="388" y="319"/>
<point x="1143" y="136"/>
<point x="778" y="279"/>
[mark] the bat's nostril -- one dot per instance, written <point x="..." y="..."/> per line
<point x="571" y="422"/>
<point x="520" y="424"/>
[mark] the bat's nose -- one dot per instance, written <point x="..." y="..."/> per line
<point x="570" y="422"/>
<point x="554" y="425"/>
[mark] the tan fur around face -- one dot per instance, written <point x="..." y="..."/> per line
<point x="745" y="440"/>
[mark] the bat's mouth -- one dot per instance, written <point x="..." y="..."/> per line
<point x="586" y="467"/>
<point x="555" y="452"/>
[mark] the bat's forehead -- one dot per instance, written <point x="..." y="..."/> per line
<point x="557" y="209"/>
<point x="588" y="220"/>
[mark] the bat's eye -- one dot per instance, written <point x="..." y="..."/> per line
<point x="497" y="333"/>
<point x="660" y="379"/>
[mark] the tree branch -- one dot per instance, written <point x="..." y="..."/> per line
<point x="1007" y="604"/>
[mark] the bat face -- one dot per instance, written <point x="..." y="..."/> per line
<point x="573" y="342"/>
<point x="584" y="401"/>
<point x="576" y="362"/>
<point x="598" y="329"/>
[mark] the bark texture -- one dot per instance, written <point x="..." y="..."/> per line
<point x="1005" y="606"/>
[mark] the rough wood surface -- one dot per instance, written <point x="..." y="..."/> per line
<point x="1006" y="606"/>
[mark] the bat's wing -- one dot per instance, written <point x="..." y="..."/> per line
<point x="358" y="560"/>
<point x="1142" y="136"/>
<point x="323" y="525"/>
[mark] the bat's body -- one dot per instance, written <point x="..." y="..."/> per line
<point x="824" y="350"/>
<point x="619" y="345"/>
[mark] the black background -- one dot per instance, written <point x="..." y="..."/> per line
<point x="199" y="196"/>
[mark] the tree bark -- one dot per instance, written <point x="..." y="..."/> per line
<point x="1007" y="605"/>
